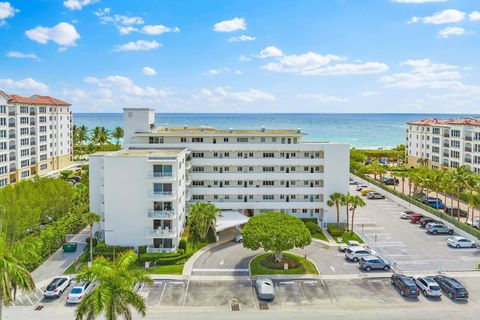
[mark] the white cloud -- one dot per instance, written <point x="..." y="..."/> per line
<point x="451" y="31"/>
<point x="149" y="71"/>
<point x="63" y="34"/>
<point x="244" y="58"/>
<point x="425" y="74"/>
<point x="125" y="85"/>
<point x="474" y="16"/>
<point x="270" y="52"/>
<point x="158" y="29"/>
<point x="214" y="72"/>
<point x="139" y="45"/>
<point x="418" y="1"/>
<point x="126" y="29"/>
<point x="21" y="55"/>
<point x="230" y="25"/>
<point x="6" y="11"/>
<point x="441" y="17"/>
<point x="77" y="4"/>
<point x="27" y="84"/>
<point x="224" y="94"/>
<point x="312" y="63"/>
<point x="241" y="38"/>
<point x="320" y="98"/>
<point x="370" y="93"/>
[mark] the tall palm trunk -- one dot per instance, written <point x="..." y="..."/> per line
<point x="338" y="213"/>
<point x="458" y="204"/>
<point x="353" y="218"/>
<point x="91" y="243"/>
<point x="403" y="185"/>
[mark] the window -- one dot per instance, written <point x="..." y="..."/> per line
<point x="274" y="140"/>
<point x="24" y="131"/>
<point x="43" y="167"/>
<point x="268" y="155"/>
<point x="436" y="130"/>
<point x="3" y="133"/>
<point x="25" y="174"/>
<point x="268" y="183"/>
<point x="198" y="169"/>
<point x="24" y="163"/>
<point x="153" y="140"/>
<point x="455" y="133"/>
<point x="3" y="122"/>
<point x="197" y="155"/>
<point x="242" y="140"/>
<point x="455" y="144"/>
<point x="436" y="140"/>
<point x="262" y="140"/>
<point x="24" y="120"/>
<point x="3" y="170"/>
<point x="3" y="182"/>
<point x="239" y="169"/>
<point x="225" y="139"/>
<point x="183" y="139"/>
<point x="197" y="140"/>
<point x="268" y="169"/>
<point x="268" y="197"/>
<point x="43" y="138"/>
<point x="24" y="152"/>
<point x="198" y="183"/>
<point x="3" y="158"/>
<point x="197" y="197"/>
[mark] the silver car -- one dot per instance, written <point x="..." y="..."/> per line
<point x="375" y="195"/>
<point x="238" y="238"/>
<point x="370" y="263"/>
<point x="350" y="243"/>
<point x="265" y="289"/>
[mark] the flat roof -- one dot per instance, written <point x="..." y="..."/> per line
<point x="135" y="152"/>
<point x="211" y="130"/>
<point x="444" y="122"/>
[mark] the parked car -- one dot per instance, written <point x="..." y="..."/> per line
<point x="425" y="200"/>
<point x="450" y="286"/>
<point x="428" y="286"/>
<point x="419" y="195"/>
<point x="350" y="243"/>
<point x="375" y="195"/>
<point x="355" y="253"/>
<point x="426" y="220"/>
<point x="79" y="291"/>
<point x="461" y="242"/>
<point x="57" y="286"/>
<point x="454" y="212"/>
<point x="406" y="285"/>
<point x="436" y="204"/>
<point x="353" y="182"/>
<point x="370" y="263"/>
<point x="364" y="192"/>
<point x="361" y="187"/>
<point x="474" y="223"/>
<point x="437" y="228"/>
<point x="390" y="181"/>
<point x="265" y="289"/>
<point x="407" y="214"/>
<point x="415" y="218"/>
<point x="238" y="238"/>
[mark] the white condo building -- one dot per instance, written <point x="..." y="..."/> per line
<point x="35" y="136"/>
<point x="444" y="143"/>
<point x="143" y="190"/>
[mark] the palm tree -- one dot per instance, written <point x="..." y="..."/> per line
<point x="104" y="136"/>
<point x="114" y="294"/>
<point x="471" y="184"/>
<point x="422" y="162"/>
<point x="355" y="201"/>
<point x="346" y="199"/>
<point x="91" y="218"/>
<point x="117" y="134"/>
<point x="75" y="135"/>
<point x="13" y="271"/>
<point x="459" y="179"/>
<point x="201" y="217"/>
<point x="82" y="135"/>
<point x="447" y="186"/>
<point x="436" y="178"/>
<point x="96" y="133"/>
<point x="376" y="169"/>
<point x="334" y="200"/>
<point x="395" y="174"/>
<point x="403" y="175"/>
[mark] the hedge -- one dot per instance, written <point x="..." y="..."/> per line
<point x="336" y="231"/>
<point x="462" y="226"/>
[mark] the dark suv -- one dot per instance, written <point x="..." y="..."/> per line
<point x="406" y="285"/>
<point x="453" y="288"/>
<point x="426" y="220"/>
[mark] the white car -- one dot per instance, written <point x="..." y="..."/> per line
<point x="407" y="214"/>
<point x="474" y="223"/>
<point x="356" y="253"/>
<point x="428" y="286"/>
<point x="350" y="243"/>
<point x="57" y="286"/>
<point x="461" y="242"/>
<point x="265" y="289"/>
<point x="79" y="291"/>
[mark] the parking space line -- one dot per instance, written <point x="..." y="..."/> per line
<point x="186" y="291"/>
<point x="301" y="289"/>
<point x="163" y="291"/>
<point x="29" y="300"/>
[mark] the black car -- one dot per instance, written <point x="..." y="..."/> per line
<point x="454" y="212"/>
<point x="390" y="181"/>
<point x="406" y="285"/>
<point x="426" y="220"/>
<point x="452" y="288"/>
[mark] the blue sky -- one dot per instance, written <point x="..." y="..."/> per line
<point x="245" y="55"/>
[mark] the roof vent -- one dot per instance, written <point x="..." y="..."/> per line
<point x="299" y="130"/>
<point x="263" y="128"/>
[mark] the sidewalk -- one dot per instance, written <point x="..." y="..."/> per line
<point x="58" y="262"/>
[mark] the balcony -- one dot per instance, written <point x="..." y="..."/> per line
<point x="468" y="149"/>
<point x="468" y="138"/>
<point x="152" y="249"/>
<point x="32" y="113"/>
<point x="32" y="123"/>
<point x="467" y="160"/>
<point x="188" y="181"/>
<point x="12" y="147"/>
<point x="13" y="169"/>
<point x="11" y="124"/>
<point x="161" y="233"/>
<point x="32" y="132"/>
<point x="164" y="195"/>
<point x="446" y="135"/>
<point x="188" y="166"/>
<point x="11" y="113"/>
<point x="11" y="136"/>
<point x="161" y="175"/>
<point x="446" y="145"/>
<point x="161" y="214"/>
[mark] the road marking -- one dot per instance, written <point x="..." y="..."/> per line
<point x="161" y="295"/>
<point x="220" y="270"/>
<point x="301" y="289"/>
<point x="377" y="234"/>
<point x="285" y="282"/>
<point x="177" y="282"/>
<point x="332" y="268"/>
<point x="310" y="282"/>
<point x="186" y="291"/>
<point x="222" y="262"/>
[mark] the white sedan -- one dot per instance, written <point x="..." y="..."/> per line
<point x="461" y="242"/>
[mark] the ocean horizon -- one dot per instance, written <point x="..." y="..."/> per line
<point x="360" y="130"/>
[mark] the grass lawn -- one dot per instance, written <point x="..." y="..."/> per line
<point x="170" y="269"/>
<point x="346" y="237"/>
<point x="319" y="236"/>
<point x="302" y="265"/>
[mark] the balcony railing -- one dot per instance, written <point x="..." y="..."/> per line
<point x="11" y="147"/>
<point x="164" y="194"/>
<point x="12" y="113"/>
<point x="161" y="233"/>
<point x="11" y="135"/>
<point x="32" y="113"/>
<point x="468" y="138"/>
<point x="446" y="155"/>
<point x="160" y="174"/>
<point x="468" y="149"/>
<point x="446" y="145"/>
<point x="11" y="125"/>
<point x="468" y="160"/>
<point x="446" y="135"/>
<point x="152" y="249"/>
<point x="168" y="214"/>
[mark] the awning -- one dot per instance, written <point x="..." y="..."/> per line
<point x="229" y="219"/>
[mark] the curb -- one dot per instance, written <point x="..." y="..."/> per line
<point x="188" y="267"/>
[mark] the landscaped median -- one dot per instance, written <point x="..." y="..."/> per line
<point x="341" y="235"/>
<point x="264" y="264"/>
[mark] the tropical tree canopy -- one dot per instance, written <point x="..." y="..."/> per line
<point x="276" y="232"/>
<point x="335" y="199"/>
<point x="114" y="295"/>
<point x="201" y="217"/>
<point x="117" y="134"/>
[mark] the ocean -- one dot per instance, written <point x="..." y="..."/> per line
<point x="360" y="130"/>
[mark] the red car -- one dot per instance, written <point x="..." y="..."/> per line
<point x="415" y="218"/>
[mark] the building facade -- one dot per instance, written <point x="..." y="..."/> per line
<point x="35" y="136"/>
<point x="444" y="143"/>
<point x="247" y="171"/>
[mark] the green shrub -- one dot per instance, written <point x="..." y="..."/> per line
<point x="313" y="227"/>
<point x="183" y="244"/>
<point x="94" y="244"/>
<point x="336" y="231"/>
<point x="142" y="249"/>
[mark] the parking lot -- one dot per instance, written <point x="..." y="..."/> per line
<point x="407" y="245"/>
<point x="228" y="295"/>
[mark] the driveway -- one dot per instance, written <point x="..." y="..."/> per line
<point x="407" y="245"/>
